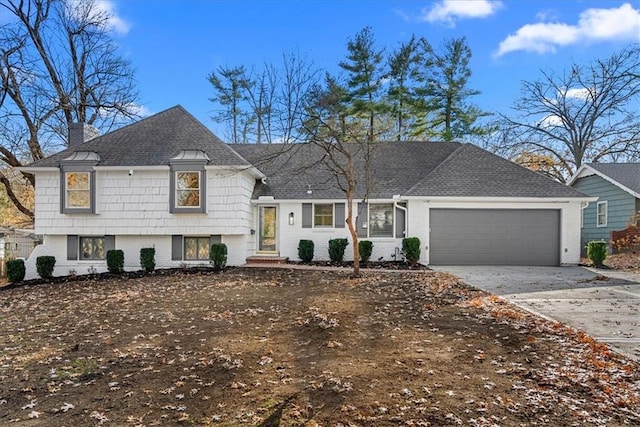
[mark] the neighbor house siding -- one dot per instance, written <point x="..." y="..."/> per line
<point x="138" y="204"/>
<point x="621" y="207"/>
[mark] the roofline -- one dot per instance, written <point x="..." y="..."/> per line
<point x="30" y="169"/>
<point x="607" y="178"/>
<point x="500" y="199"/>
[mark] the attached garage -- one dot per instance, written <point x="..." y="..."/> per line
<point x="494" y="237"/>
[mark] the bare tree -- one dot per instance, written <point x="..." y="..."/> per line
<point x="589" y="113"/>
<point x="346" y="146"/>
<point x="263" y="104"/>
<point x="58" y="66"/>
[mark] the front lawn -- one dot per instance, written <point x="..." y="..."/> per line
<point x="314" y="348"/>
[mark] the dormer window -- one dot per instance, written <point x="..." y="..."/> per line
<point x="77" y="183"/>
<point x="188" y="182"/>
<point x="78" y="187"/>
<point x="188" y="189"/>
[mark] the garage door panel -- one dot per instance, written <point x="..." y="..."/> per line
<point x="495" y="237"/>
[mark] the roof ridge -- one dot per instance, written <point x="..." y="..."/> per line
<point x="451" y="155"/>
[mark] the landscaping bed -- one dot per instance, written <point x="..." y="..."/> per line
<point x="267" y="347"/>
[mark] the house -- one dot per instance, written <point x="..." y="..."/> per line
<point x="617" y="188"/>
<point x="167" y="182"/>
<point x="15" y="243"/>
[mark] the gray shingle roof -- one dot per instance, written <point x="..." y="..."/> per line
<point x="404" y="168"/>
<point x="473" y="172"/>
<point x="154" y="141"/>
<point x="626" y="174"/>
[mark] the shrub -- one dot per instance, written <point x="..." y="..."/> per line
<point x="337" y="248"/>
<point x="45" y="265"/>
<point x="218" y="255"/>
<point x="115" y="261"/>
<point x="411" y="249"/>
<point x="305" y="250"/>
<point x="597" y="252"/>
<point x="365" y="248"/>
<point x="15" y="270"/>
<point x="148" y="259"/>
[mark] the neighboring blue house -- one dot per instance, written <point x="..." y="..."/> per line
<point x="617" y="186"/>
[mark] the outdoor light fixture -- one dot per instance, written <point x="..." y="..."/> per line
<point x="309" y="190"/>
<point x="290" y="218"/>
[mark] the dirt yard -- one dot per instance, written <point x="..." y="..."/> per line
<point x="297" y="348"/>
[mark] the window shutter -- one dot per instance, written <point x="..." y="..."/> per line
<point x="72" y="247"/>
<point x="176" y="248"/>
<point x="401" y="221"/>
<point x="339" y="215"/>
<point x="361" y="220"/>
<point x="307" y="215"/>
<point x="109" y="243"/>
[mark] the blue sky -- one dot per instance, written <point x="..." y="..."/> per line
<point x="174" y="45"/>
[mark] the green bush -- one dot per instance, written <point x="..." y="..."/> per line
<point x="45" y="265"/>
<point x="148" y="259"/>
<point x="365" y="248"/>
<point x="305" y="250"/>
<point x="115" y="261"/>
<point x="411" y="249"/>
<point x="597" y="252"/>
<point x="15" y="270"/>
<point x="218" y="255"/>
<point x="337" y="248"/>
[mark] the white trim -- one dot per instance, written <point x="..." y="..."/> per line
<point x="128" y="168"/>
<point x="30" y="169"/>
<point x="606" y="214"/>
<point x="557" y="200"/>
<point x="586" y="170"/>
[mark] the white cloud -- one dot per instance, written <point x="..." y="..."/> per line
<point x="115" y="22"/>
<point x="448" y="11"/>
<point x="550" y="121"/>
<point x="622" y="23"/>
<point x="581" y="93"/>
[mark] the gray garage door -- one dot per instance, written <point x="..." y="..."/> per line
<point x="495" y="237"/>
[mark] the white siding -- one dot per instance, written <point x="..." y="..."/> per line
<point x="139" y="205"/>
<point x="56" y="245"/>
<point x="290" y="236"/>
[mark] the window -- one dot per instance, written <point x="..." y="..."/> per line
<point x="192" y="248"/>
<point x="78" y="183"/>
<point x="381" y="220"/>
<point x="323" y="215"/>
<point x="89" y="247"/>
<point x="196" y="248"/>
<point x="188" y="183"/>
<point x="92" y="248"/>
<point x="601" y="219"/>
<point x="78" y="190"/>
<point x="188" y="189"/>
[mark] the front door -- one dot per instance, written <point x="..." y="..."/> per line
<point x="267" y="239"/>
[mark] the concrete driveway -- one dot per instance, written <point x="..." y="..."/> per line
<point x="605" y="304"/>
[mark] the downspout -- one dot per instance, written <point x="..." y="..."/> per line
<point x="406" y="215"/>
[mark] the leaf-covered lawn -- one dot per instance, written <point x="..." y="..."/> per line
<point x="260" y="347"/>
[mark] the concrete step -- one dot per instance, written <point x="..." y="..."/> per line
<point x="265" y="259"/>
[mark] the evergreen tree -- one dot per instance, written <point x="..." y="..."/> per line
<point x="364" y="67"/>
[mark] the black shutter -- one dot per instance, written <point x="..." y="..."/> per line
<point x="72" y="247"/>
<point x="176" y="248"/>
<point x="339" y="215"/>
<point x="307" y="215"/>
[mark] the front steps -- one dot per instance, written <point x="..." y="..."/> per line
<point x="265" y="259"/>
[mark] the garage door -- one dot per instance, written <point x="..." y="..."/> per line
<point x="495" y="237"/>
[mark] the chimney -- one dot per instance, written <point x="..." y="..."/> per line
<point x="80" y="133"/>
